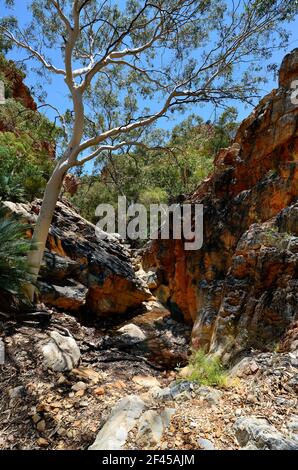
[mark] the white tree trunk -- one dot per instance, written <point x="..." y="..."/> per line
<point x="52" y="192"/>
<point x="42" y="226"/>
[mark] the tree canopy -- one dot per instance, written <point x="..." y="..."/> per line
<point x="133" y="62"/>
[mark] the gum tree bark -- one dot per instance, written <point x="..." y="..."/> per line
<point x="42" y="226"/>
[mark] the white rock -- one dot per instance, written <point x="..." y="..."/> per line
<point x="20" y="209"/>
<point x="122" y="420"/>
<point x="205" y="444"/>
<point x="152" y="425"/>
<point x="132" y="332"/>
<point x="61" y="353"/>
<point x="110" y="237"/>
<point x="150" y="278"/>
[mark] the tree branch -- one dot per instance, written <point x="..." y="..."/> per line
<point x="118" y="146"/>
<point x="117" y="55"/>
<point x="35" y="53"/>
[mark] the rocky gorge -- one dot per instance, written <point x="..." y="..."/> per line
<point x="100" y="362"/>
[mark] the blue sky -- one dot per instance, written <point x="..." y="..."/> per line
<point x="57" y="90"/>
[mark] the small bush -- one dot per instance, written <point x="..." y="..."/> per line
<point x="14" y="247"/>
<point x="22" y="166"/>
<point x="206" y="370"/>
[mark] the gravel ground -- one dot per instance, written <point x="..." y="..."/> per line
<point x="44" y="409"/>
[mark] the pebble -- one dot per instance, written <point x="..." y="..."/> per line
<point x="86" y="373"/>
<point x="79" y="386"/>
<point x="99" y="391"/>
<point x="146" y="381"/>
<point x="61" y="380"/>
<point x="251" y="398"/>
<point x="41" y="426"/>
<point x="84" y="404"/>
<point x="36" y="418"/>
<point x="41" y="442"/>
<point x="118" y="385"/>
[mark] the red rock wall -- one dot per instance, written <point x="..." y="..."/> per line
<point x="19" y="90"/>
<point x="240" y="290"/>
<point x="22" y="93"/>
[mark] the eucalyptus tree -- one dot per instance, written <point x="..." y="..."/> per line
<point x="127" y="64"/>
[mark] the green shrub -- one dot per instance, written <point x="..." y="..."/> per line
<point x="27" y="142"/>
<point x="89" y="196"/>
<point x="153" y="196"/>
<point x="206" y="370"/>
<point x="10" y="188"/>
<point x="23" y="170"/>
<point x="14" y="247"/>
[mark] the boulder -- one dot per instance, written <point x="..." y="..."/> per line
<point x="123" y="418"/>
<point x="247" y="366"/>
<point x="131" y="334"/>
<point x="253" y="432"/>
<point x="56" y="268"/>
<point x="61" y="353"/>
<point x="80" y="269"/>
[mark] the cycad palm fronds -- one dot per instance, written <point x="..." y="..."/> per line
<point x="14" y="247"/>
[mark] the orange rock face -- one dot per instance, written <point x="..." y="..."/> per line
<point x="115" y="295"/>
<point x="241" y="290"/>
<point x="19" y="90"/>
<point x="81" y="273"/>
